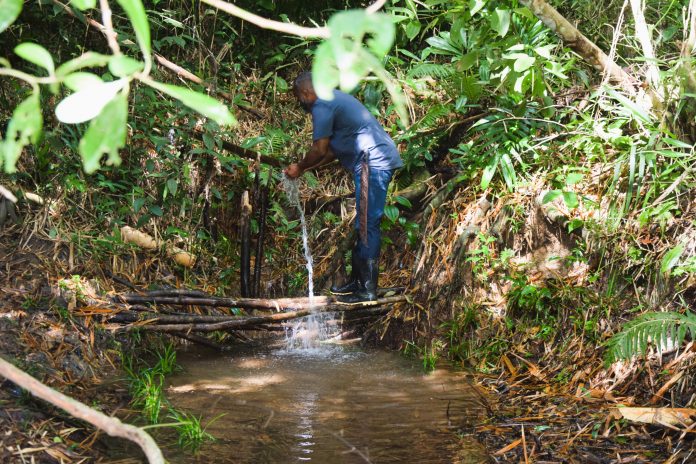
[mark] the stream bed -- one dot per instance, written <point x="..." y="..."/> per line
<point x="331" y="404"/>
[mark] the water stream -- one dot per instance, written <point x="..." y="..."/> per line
<point x="308" y="332"/>
<point x="310" y="401"/>
<point x="338" y="405"/>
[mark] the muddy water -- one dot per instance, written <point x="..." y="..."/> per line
<point x="334" y="405"/>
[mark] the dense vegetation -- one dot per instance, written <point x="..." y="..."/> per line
<point x="543" y="222"/>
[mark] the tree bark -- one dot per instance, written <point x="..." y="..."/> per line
<point x="110" y="425"/>
<point x="258" y="261"/>
<point x="579" y="43"/>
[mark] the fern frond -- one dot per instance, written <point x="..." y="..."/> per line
<point x="430" y="119"/>
<point x="657" y="329"/>
<point x="435" y="70"/>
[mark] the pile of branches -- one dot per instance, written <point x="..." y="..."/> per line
<point x="153" y="311"/>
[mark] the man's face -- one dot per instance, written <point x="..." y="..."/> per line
<point x="304" y="100"/>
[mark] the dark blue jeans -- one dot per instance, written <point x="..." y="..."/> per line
<point x="377" y="199"/>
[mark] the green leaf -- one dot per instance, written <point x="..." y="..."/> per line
<point x="35" y="53"/>
<point x="545" y="51"/>
<point x="325" y="75"/>
<point x="342" y="59"/>
<point x="475" y="6"/>
<point x="550" y="196"/>
<point x="81" y="80"/>
<point x="573" y="178"/>
<point x="208" y="141"/>
<point x="88" y="103"/>
<point x="172" y="186"/>
<point x="156" y="210"/>
<point x="106" y="135"/>
<point x="9" y="11"/>
<point x="500" y="21"/>
<point x="392" y="212"/>
<point x="136" y="13"/>
<point x="488" y="172"/>
<point x="86" y="60"/>
<point x="403" y="201"/>
<point x="574" y="224"/>
<point x="467" y="61"/>
<point x="636" y="111"/>
<point x="197" y="101"/>
<point x="122" y="66"/>
<point x="138" y="203"/>
<point x="412" y="28"/>
<point x="83" y="5"/>
<point x="570" y="199"/>
<point x="24" y="128"/>
<point x="671" y="258"/>
<point x="523" y="63"/>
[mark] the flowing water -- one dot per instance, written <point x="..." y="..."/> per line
<point x="339" y="405"/>
<point x="308" y="332"/>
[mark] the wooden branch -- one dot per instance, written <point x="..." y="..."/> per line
<point x="243" y="152"/>
<point x="245" y="244"/>
<point x="243" y="323"/>
<point x="179" y="297"/>
<point x="579" y="43"/>
<point x="110" y="425"/>
<point x="288" y="28"/>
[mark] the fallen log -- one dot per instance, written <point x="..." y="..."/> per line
<point x="246" y="322"/>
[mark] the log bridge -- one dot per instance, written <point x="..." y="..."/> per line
<point x="151" y="311"/>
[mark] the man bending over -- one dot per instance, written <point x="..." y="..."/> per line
<point x="343" y="128"/>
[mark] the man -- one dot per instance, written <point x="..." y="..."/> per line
<point x="343" y="128"/>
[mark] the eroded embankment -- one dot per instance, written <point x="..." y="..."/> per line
<point x="528" y="292"/>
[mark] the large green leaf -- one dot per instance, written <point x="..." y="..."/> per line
<point x="86" y="60"/>
<point x="500" y="21"/>
<point x="489" y="171"/>
<point x="523" y="63"/>
<point x="342" y="59"/>
<point x="122" y="66"/>
<point x="136" y="13"/>
<point x="9" y="10"/>
<point x="88" y="103"/>
<point x="81" y="80"/>
<point x="35" y="53"/>
<point x="106" y="135"/>
<point x="24" y="128"/>
<point x="197" y="101"/>
<point x="671" y="258"/>
<point x="83" y="4"/>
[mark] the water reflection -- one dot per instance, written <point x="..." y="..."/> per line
<point x="330" y="406"/>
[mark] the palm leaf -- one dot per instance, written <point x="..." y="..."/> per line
<point x="651" y="329"/>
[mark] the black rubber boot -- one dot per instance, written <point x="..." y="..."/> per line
<point x="355" y="282"/>
<point x="369" y="273"/>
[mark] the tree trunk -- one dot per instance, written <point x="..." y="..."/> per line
<point x="245" y="256"/>
<point x="579" y="43"/>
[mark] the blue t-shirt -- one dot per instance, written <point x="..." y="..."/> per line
<point x="352" y="130"/>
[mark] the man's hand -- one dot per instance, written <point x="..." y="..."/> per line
<point x="293" y="171"/>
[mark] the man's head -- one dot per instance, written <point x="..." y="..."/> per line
<point x="304" y="91"/>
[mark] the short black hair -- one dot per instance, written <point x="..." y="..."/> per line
<point x="302" y="80"/>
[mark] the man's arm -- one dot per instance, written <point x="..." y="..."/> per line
<point x="318" y="155"/>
